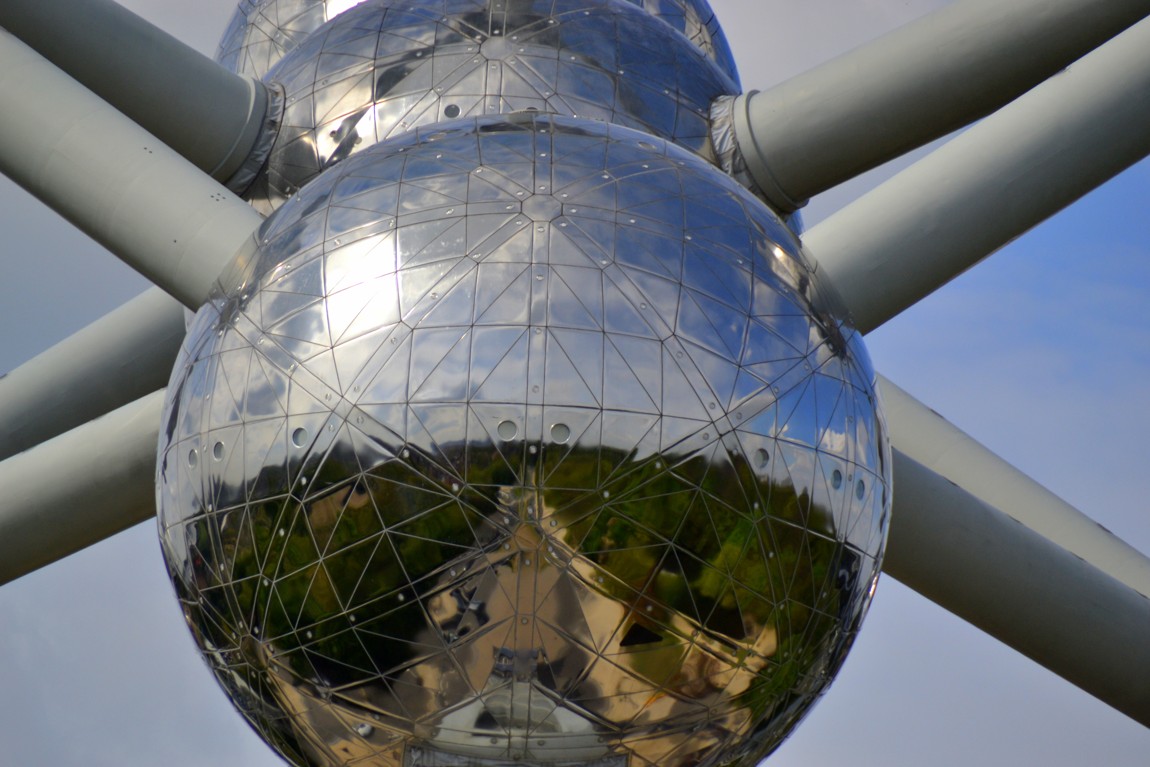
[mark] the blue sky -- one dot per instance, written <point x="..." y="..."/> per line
<point x="1042" y="353"/>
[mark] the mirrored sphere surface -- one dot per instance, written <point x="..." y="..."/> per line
<point x="385" y="67"/>
<point x="262" y="31"/>
<point x="523" y="440"/>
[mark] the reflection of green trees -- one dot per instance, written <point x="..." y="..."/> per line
<point x="708" y="540"/>
<point x="704" y="529"/>
<point x="308" y="573"/>
<point x="713" y="542"/>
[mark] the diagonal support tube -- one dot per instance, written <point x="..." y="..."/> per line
<point x="912" y="86"/>
<point x="1020" y="588"/>
<point x="209" y="115"/>
<point x="928" y="224"/>
<point x="932" y="441"/>
<point x="115" y="181"/>
<point x="121" y="357"/>
<point x="119" y="184"/>
<point x="138" y="198"/>
<point x="79" y="488"/>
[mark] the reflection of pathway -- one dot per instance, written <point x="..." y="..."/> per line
<point x="528" y="658"/>
<point x="541" y="660"/>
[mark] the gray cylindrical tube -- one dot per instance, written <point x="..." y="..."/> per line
<point x="914" y="233"/>
<point x="119" y="358"/>
<point x="1020" y="588"/>
<point x="115" y="181"/>
<point x="79" y="488"/>
<point x="918" y="83"/>
<point x="922" y="434"/>
<point x="209" y="115"/>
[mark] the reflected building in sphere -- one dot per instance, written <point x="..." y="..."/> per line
<point x="524" y="436"/>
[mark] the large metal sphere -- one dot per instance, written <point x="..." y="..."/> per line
<point x="262" y="31"/>
<point x="387" y="66"/>
<point x="529" y="440"/>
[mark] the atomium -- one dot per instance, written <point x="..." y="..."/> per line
<point x="520" y="433"/>
<point x="525" y="437"/>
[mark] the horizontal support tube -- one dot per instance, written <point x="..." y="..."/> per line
<point x="912" y="86"/>
<point x="209" y="115"/>
<point x="914" y="233"/>
<point x="119" y="358"/>
<point x="79" y="488"/>
<point x="922" y="434"/>
<point x="115" y="181"/>
<point x="1020" y="588"/>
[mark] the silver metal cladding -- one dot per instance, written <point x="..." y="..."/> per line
<point x="526" y="435"/>
<point x="523" y="439"/>
<point x="383" y="68"/>
<point x="261" y="32"/>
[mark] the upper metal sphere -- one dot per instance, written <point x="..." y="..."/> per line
<point x="385" y="67"/>
<point x="523" y="440"/>
<point x="262" y="31"/>
<point x="698" y="23"/>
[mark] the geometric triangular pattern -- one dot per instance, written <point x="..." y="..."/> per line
<point x="502" y="449"/>
<point x="262" y="31"/>
<point x="382" y="68"/>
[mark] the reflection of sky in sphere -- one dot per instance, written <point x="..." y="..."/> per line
<point x="262" y="31"/>
<point x="523" y="440"/>
<point x="383" y="68"/>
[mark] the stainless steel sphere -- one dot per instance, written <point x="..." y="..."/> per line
<point x="695" y="20"/>
<point x="529" y="440"/>
<point x="387" y="66"/>
<point x="262" y="31"/>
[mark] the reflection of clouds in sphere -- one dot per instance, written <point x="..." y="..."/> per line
<point x="262" y="31"/>
<point x="698" y="23"/>
<point x="523" y="440"/>
<point x="383" y="68"/>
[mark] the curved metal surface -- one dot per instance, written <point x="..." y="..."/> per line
<point x="523" y="439"/>
<point x="383" y="68"/>
<point x="262" y="31"/>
